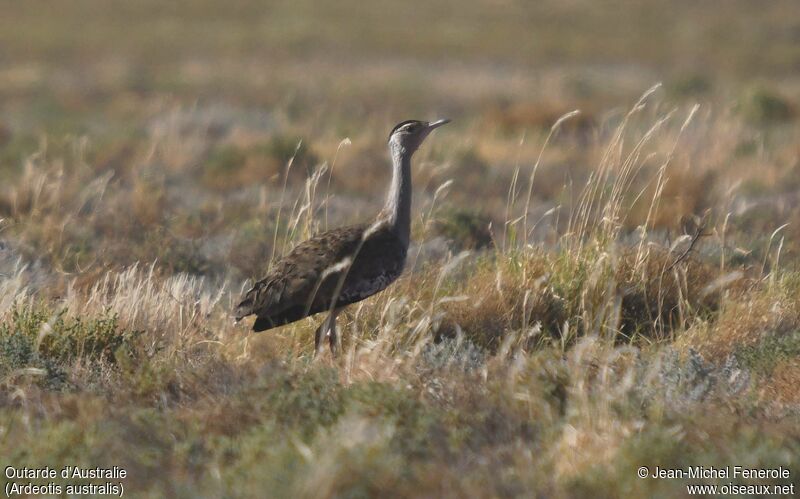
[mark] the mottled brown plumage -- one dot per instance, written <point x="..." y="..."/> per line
<point x="344" y="265"/>
<point x="304" y="282"/>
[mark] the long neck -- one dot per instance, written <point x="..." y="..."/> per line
<point x="397" y="210"/>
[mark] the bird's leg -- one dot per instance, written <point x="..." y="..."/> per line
<point x="318" y="336"/>
<point x="333" y="334"/>
<point x="327" y="328"/>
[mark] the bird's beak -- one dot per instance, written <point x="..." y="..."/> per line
<point x="437" y="124"/>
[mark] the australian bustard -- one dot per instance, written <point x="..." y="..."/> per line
<point x="345" y="265"/>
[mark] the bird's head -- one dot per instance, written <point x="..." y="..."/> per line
<point x="408" y="135"/>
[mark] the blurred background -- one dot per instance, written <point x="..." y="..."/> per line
<point x="190" y="110"/>
<point x="632" y="296"/>
<point x="347" y="62"/>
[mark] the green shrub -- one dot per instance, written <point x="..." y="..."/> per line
<point x="764" y="356"/>
<point x="761" y="106"/>
<point x="464" y="229"/>
<point x="692" y="85"/>
<point x="35" y="337"/>
<point x="224" y="161"/>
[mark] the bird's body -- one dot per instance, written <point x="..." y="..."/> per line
<point x="344" y="265"/>
<point x="305" y="281"/>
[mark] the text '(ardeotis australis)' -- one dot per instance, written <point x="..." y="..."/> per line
<point x="345" y="265"/>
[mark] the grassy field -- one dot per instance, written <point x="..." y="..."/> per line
<point x="587" y="293"/>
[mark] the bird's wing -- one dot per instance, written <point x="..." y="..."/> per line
<point x="302" y="277"/>
<point x="379" y="261"/>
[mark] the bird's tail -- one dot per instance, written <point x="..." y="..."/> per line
<point x="244" y="309"/>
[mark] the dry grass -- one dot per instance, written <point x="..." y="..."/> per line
<point x="520" y="369"/>
<point x="581" y="335"/>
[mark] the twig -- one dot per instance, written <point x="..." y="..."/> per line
<point x="698" y="233"/>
